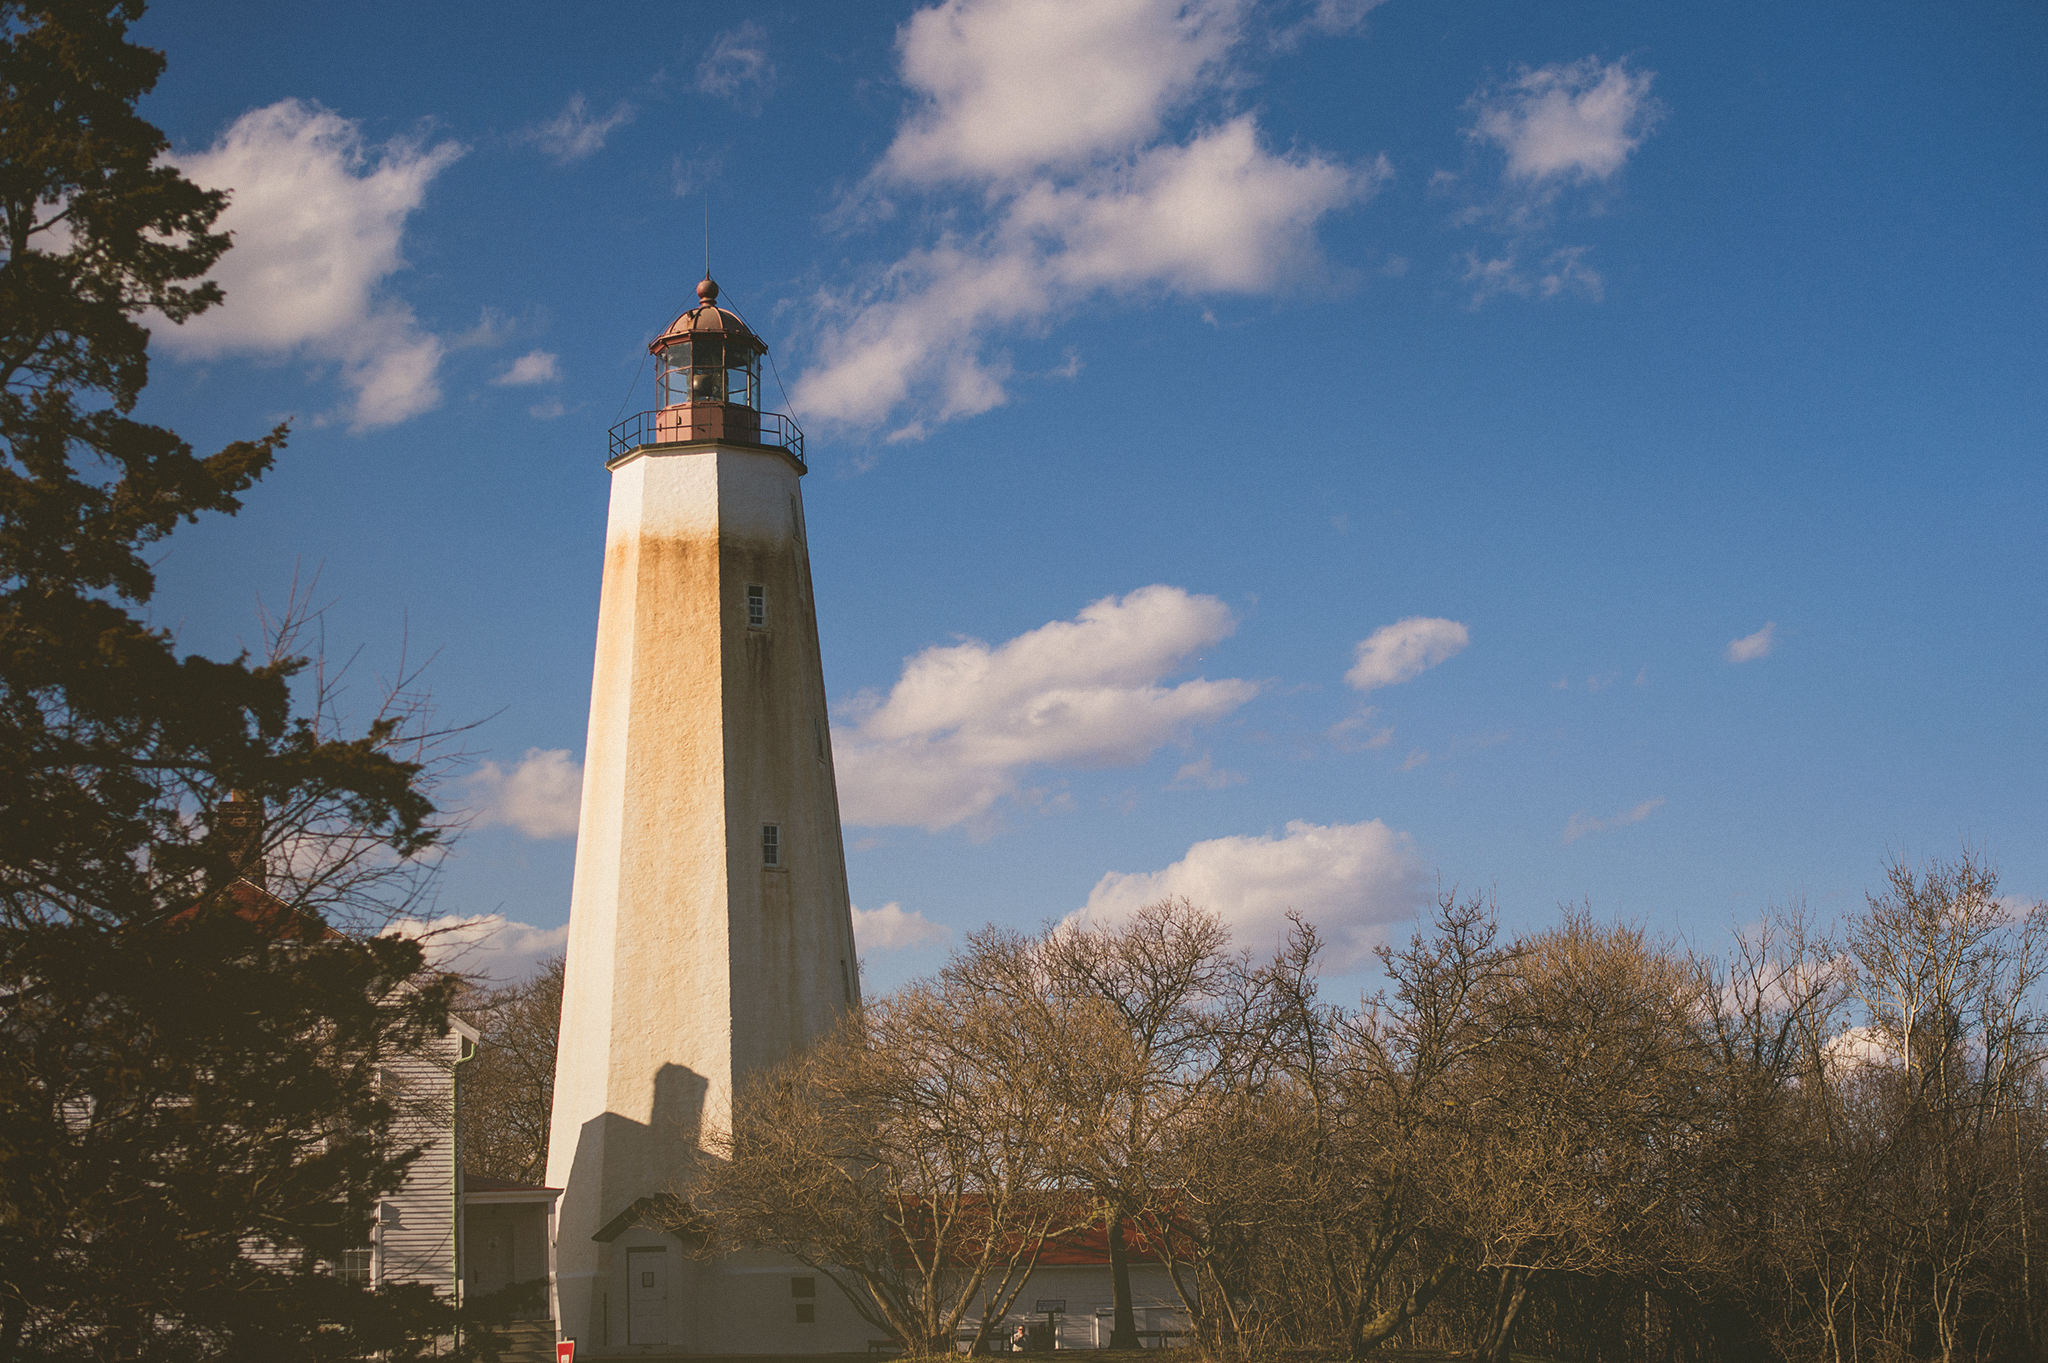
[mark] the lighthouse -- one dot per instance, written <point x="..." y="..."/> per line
<point x="710" y="934"/>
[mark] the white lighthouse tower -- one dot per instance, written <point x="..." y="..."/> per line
<point x="709" y="931"/>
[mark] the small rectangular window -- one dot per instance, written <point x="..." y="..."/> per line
<point x="354" y="1267"/>
<point x="803" y="1287"/>
<point x="757" y="606"/>
<point x="771" y="844"/>
<point x="806" y="1313"/>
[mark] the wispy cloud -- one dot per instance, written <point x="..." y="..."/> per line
<point x="540" y="796"/>
<point x="891" y="928"/>
<point x="576" y="132"/>
<point x="1562" y="271"/>
<point x="318" y="215"/>
<point x="1325" y="18"/>
<point x="1581" y="823"/>
<point x="1204" y="774"/>
<point x="1356" y="732"/>
<point x="536" y="366"/>
<point x="1350" y="880"/>
<point x="737" y="66"/>
<point x="1049" y="119"/>
<point x="1405" y="650"/>
<point x="1751" y="647"/>
<point x="966" y="721"/>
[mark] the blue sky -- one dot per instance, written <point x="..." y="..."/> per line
<point x="1642" y="406"/>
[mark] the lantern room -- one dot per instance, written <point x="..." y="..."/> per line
<point x="708" y="383"/>
<point x="708" y="386"/>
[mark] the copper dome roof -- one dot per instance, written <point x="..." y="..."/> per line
<point x="706" y="318"/>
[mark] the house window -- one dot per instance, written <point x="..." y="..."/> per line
<point x="354" y="1267"/>
<point x="771" y="844"/>
<point x="757" y="606"/>
<point x="803" y="1287"/>
<point x="806" y="1289"/>
<point x="806" y="1313"/>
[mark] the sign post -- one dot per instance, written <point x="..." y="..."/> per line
<point x="1052" y="1306"/>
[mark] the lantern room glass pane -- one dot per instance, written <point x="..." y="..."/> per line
<point x="707" y="385"/>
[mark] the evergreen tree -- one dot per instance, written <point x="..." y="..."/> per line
<point x="190" y="1127"/>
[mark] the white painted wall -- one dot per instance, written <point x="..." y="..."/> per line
<point x="690" y="965"/>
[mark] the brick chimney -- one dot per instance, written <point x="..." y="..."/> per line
<point x="236" y="827"/>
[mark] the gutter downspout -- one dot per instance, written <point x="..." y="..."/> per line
<point x="465" y="1051"/>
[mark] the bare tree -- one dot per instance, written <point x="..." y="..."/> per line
<point x="1314" y="1167"/>
<point x="508" y="1088"/>
<point x="907" y="1157"/>
<point x="1946" y="974"/>
<point x="1591" y="1110"/>
<point x="1173" y="998"/>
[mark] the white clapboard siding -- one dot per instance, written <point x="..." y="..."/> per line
<point x="416" y="1225"/>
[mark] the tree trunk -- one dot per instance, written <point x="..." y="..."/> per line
<point x="1507" y="1309"/>
<point x="13" y="1316"/>
<point x="1369" y="1334"/>
<point x="1123" y="1332"/>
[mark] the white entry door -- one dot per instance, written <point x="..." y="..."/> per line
<point x="647" y="1295"/>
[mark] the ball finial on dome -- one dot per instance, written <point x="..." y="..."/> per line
<point x="708" y="290"/>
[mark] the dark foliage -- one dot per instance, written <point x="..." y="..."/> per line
<point x="190" y="1133"/>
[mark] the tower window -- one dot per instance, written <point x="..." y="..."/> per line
<point x="757" y="606"/>
<point x="806" y="1313"/>
<point x="803" y="1287"/>
<point x="771" y="844"/>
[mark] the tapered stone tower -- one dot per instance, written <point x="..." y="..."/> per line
<point x="709" y="929"/>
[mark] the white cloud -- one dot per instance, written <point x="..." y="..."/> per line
<point x="737" y="63"/>
<point x="1349" y="880"/>
<point x="575" y="132"/>
<point x="965" y="721"/>
<point x="540" y="797"/>
<point x="1855" y="1047"/>
<point x="1569" y="122"/>
<point x="318" y="219"/>
<point x="1013" y="87"/>
<point x="889" y="928"/>
<point x="1750" y="647"/>
<point x="1564" y="125"/>
<point x="1581" y="823"/>
<point x="536" y="366"/>
<point x="1054" y="110"/>
<point x="1404" y="650"/>
<point x="489" y="945"/>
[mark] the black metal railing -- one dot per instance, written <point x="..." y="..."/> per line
<point x="647" y="428"/>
